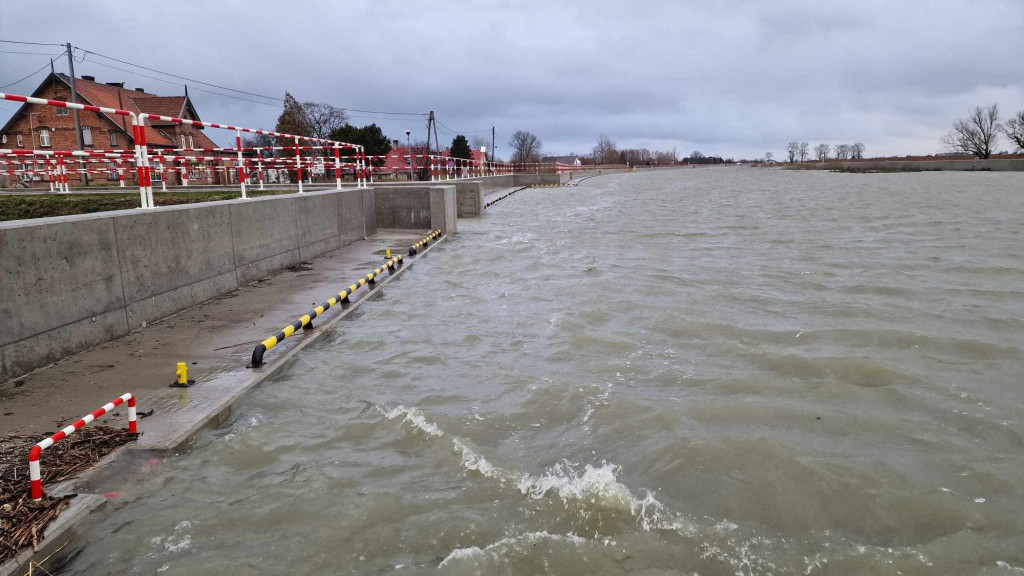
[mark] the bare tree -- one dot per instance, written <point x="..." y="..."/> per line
<point x="605" y="151"/>
<point x="792" y="151"/>
<point x="857" y="150"/>
<point x="842" y="151"/>
<point x="805" y="152"/>
<point x="975" y="135"/>
<point x="1014" y="130"/>
<point x="768" y="157"/>
<point x="323" y="118"/>
<point x="478" y="142"/>
<point x="525" y="147"/>
<point x="822" y="151"/>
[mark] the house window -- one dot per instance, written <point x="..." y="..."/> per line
<point x="86" y="136"/>
<point x="156" y="174"/>
<point x="25" y="176"/>
<point x="113" y="139"/>
<point x="182" y="140"/>
<point x="44" y="138"/>
<point x="3" y="139"/>
<point x="62" y="111"/>
<point x="194" y="172"/>
<point x="21" y="141"/>
<point x="191" y="143"/>
<point x="112" y="174"/>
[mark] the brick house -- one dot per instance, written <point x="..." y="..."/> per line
<point x="40" y="127"/>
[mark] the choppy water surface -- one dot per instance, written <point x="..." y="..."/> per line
<point x="725" y="371"/>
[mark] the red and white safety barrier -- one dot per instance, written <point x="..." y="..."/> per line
<point x="35" y="474"/>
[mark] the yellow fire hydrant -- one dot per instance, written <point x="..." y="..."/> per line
<point x="182" y="374"/>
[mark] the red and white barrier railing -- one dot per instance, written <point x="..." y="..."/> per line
<point x="142" y="155"/>
<point x="34" y="472"/>
<point x="137" y="128"/>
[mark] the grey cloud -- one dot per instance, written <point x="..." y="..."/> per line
<point x="735" y="78"/>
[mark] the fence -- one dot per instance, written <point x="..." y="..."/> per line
<point x="142" y="158"/>
<point x="35" y="474"/>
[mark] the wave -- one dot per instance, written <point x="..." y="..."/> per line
<point x="499" y="549"/>
<point x="588" y="485"/>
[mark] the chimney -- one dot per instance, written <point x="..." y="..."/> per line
<point x="394" y="143"/>
<point x="116" y="84"/>
<point x="140" y="89"/>
<point x="89" y="78"/>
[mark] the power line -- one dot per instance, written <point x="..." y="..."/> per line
<point x="180" y="77"/>
<point x="417" y="114"/>
<point x="91" y="61"/>
<point x="31" y="53"/>
<point x="32" y="43"/>
<point x="44" y="67"/>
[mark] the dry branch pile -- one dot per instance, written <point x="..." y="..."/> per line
<point x="23" y="521"/>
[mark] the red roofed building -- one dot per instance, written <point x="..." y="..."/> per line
<point x="397" y="160"/>
<point x="40" y="127"/>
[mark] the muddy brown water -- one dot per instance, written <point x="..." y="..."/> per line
<point x="718" y="371"/>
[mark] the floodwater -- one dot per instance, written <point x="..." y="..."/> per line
<point x="712" y="371"/>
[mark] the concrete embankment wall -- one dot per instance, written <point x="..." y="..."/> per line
<point x="72" y="282"/>
<point x="470" y="193"/>
<point x="992" y="164"/>
<point x="417" y="207"/>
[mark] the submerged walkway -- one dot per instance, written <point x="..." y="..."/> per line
<point x="215" y="338"/>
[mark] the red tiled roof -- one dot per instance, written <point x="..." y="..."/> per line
<point x="162" y="105"/>
<point x="108" y="96"/>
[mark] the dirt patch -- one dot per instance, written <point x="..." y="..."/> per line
<point x="22" y="521"/>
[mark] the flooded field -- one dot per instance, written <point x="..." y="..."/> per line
<point x="712" y="371"/>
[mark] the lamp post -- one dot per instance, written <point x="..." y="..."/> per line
<point x="408" y="142"/>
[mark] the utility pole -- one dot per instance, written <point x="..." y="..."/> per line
<point x="436" y="141"/>
<point x="492" y="142"/>
<point x="78" y="118"/>
<point x="430" y="122"/>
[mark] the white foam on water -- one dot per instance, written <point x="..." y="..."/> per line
<point x="499" y="549"/>
<point x="597" y="486"/>
<point x="412" y="416"/>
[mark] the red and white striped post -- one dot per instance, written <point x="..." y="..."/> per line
<point x="34" y="472"/>
<point x="241" y="162"/>
<point x="337" y="167"/>
<point x="298" y="163"/>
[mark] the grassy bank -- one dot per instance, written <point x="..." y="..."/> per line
<point x="20" y="207"/>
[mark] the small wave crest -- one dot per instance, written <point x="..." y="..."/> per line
<point x="575" y="485"/>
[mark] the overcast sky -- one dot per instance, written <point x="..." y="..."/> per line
<point x="732" y="78"/>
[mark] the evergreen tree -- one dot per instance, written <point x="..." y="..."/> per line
<point x="371" y="137"/>
<point x="460" y="148"/>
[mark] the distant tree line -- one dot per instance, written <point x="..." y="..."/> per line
<point x="801" y="151"/>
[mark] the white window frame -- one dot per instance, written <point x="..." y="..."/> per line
<point x="3" y="138"/>
<point x="44" y="138"/>
<point x="86" y="135"/>
<point x="24" y="176"/>
<point x="21" y="141"/>
<point x="156" y="174"/>
<point x="183" y="141"/>
<point x="195" y="172"/>
<point x="113" y="139"/>
<point x="62" y="111"/>
<point x="112" y="175"/>
<point x="191" y="143"/>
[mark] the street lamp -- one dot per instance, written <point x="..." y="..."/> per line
<point x="408" y="142"/>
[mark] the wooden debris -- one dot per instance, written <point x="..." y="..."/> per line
<point x="22" y="521"/>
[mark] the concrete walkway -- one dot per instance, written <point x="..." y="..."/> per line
<point x="215" y="338"/>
